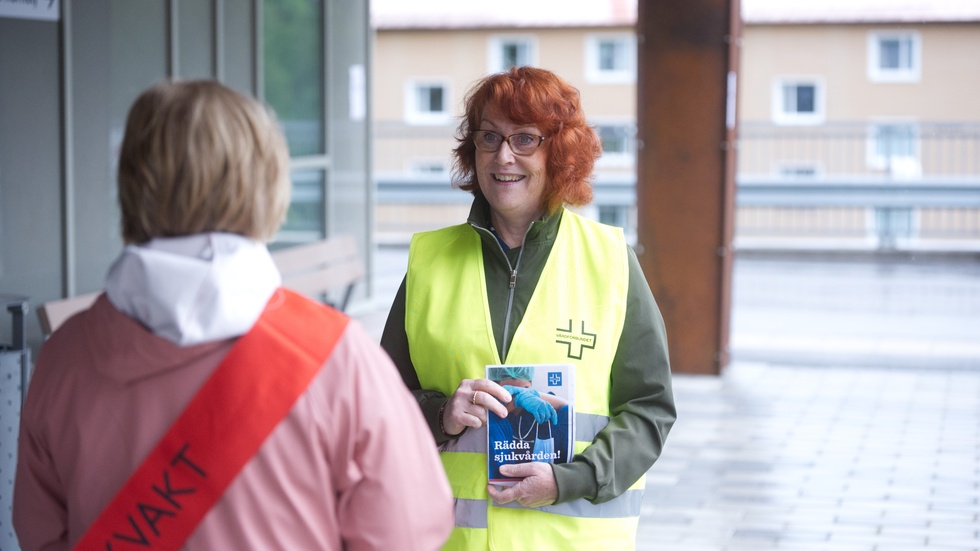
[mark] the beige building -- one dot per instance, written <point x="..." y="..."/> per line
<point x="864" y="109"/>
<point x="427" y="55"/>
<point x="835" y="100"/>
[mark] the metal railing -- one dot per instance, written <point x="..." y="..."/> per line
<point x="886" y="150"/>
<point x="882" y="185"/>
<point x="847" y="185"/>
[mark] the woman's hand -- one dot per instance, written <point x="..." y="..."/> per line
<point x="537" y="488"/>
<point x="468" y="406"/>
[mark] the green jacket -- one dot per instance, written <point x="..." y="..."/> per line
<point x="641" y="399"/>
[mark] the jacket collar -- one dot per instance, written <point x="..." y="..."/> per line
<point x="542" y="230"/>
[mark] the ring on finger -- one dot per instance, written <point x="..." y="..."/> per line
<point x="473" y="400"/>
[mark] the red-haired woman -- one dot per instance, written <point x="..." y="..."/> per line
<point x="526" y="281"/>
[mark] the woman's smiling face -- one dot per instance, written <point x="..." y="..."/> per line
<point x="514" y="185"/>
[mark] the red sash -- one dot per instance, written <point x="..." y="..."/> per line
<point x="245" y="398"/>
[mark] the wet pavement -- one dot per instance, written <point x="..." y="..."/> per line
<point x="771" y="456"/>
<point x="849" y="418"/>
<point x="918" y="312"/>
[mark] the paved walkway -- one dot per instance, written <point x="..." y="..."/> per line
<point x="778" y="457"/>
<point x="887" y="312"/>
<point x="792" y="447"/>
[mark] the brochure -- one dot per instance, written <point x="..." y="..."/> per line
<point x="540" y="422"/>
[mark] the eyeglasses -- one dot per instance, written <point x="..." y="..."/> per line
<point x="520" y="144"/>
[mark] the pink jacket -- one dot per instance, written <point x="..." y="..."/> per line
<point x="353" y="466"/>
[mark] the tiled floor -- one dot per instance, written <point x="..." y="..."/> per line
<point x="777" y="457"/>
<point x="793" y="447"/>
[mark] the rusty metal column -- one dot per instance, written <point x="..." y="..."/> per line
<point x="686" y="75"/>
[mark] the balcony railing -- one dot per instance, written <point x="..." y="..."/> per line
<point x="883" y="185"/>
<point x="840" y="186"/>
<point x="875" y="150"/>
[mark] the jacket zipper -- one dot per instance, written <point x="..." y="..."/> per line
<point x="511" y="285"/>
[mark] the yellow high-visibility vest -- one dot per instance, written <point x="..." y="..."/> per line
<point x="575" y="315"/>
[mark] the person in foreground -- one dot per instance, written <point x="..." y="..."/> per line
<point x="199" y="405"/>
<point x="527" y="281"/>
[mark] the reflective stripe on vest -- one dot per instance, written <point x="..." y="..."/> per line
<point x="472" y="513"/>
<point x="577" y="318"/>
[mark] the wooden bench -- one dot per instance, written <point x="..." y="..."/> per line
<point x="326" y="270"/>
<point x="53" y="313"/>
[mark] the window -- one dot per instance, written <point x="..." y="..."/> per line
<point x="610" y="58"/>
<point x="294" y="77"/>
<point x="294" y="85"/>
<point x="613" y="215"/>
<point x="304" y="220"/>
<point x="511" y="51"/>
<point x="427" y="102"/>
<point x="429" y="98"/>
<point x="894" y="56"/>
<point x="797" y="101"/>
<point x="618" y="148"/>
<point x="894" y="148"/>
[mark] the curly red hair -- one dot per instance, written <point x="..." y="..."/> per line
<point x="534" y="97"/>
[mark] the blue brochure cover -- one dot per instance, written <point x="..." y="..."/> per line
<point x="540" y="424"/>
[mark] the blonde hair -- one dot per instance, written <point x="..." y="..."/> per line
<point x="199" y="157"/>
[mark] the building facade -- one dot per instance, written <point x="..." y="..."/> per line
<point x="427" y="56"/>
<point x="863" y="110"/>
<point x="856" y="124"/>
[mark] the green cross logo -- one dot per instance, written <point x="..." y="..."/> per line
<point x="575" y="342"/>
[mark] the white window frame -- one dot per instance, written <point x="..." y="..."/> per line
<point x="912" y="73"/>
<point x="413" y="115"/>
<point x="902" y="166"/>
<point x="618" y="158"/>
<point x="784" y="117"/>
<point x="593" y="57"/>
<point x="495" y="50"/>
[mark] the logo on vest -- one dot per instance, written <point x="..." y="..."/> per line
<point x="576" y="342"/>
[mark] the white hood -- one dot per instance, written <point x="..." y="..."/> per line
<point x="194" y="289"/>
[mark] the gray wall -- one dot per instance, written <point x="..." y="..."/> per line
<point x="31" y="163"/>
<point x="65" y="88"/>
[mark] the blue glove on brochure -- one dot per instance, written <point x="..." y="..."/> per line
<point x="531" y="401"/>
